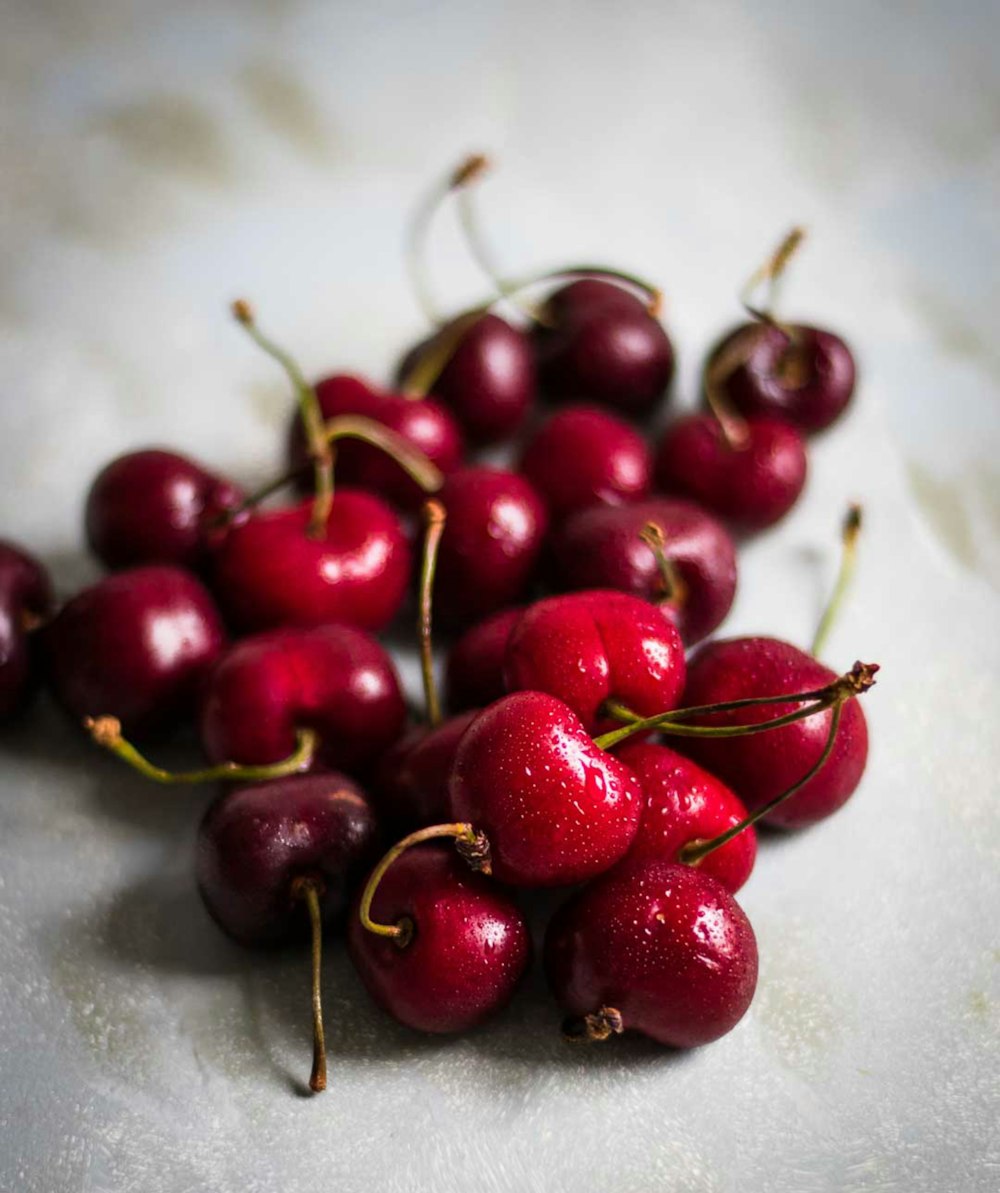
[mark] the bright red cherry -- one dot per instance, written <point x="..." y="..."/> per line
<point x="269" y="571"/>
<point x="583" y="456"/>
<point x="554" y="807"/>
<point x="603" y="548"/>
<point x="685" y="804"/>
<point x="463" y="948"/>
<point x="334" y="679"/>
<point x="750" y="482"/>
<point x="156" y="506"/>
<point x="25" y="603"/>
<point x="591" y="647"/>
<point x="138" y="646"/>
<point x="411" y="783"/>
<point x="474" y="677"/>
<point x="652" y="947"/>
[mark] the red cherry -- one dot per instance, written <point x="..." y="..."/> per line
<point x="475" y="665"/>
<point x="751" y="484"/>
<point x="602" y="548"/>
<point x="25" y="602"/>
<point x="760" y="766"/>
<point x="685" y="804"/>
<point x="137" y="646"/>
<point x="653" y="947"/>
<point x="464" y="950"/>
<point x="156" y="506"/>
<point x="591" y="647"/>
<point x="411" y="783"/>
<point x="581" y="457"/>
<point x="269" y="571"/>
<point x="334" y="679"/>
<point x="554" y="807"/>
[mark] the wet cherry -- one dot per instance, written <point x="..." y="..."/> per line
<point x="25" y="603"/>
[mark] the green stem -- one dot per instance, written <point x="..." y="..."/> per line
<point x="850" y="532"/>
<point x="431" y="362"/>
<point x="674" y="590"/>
<point x="310" y="890"/>
<point x="434" y="520"/>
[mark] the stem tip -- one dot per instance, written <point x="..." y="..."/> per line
<point x="473" y="167"/>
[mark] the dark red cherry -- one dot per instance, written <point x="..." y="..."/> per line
<point x="761" y="766"/>
<point x="488" y="382"/>
<point x="474" y="677"/>
<point x="806" y="380"/>
<point x="590" y="647"/>
<point x="583" y="456"/>
<point x="684" y="804"/>
<point x="425" y="424"/>
<point x="492" y="541"/>
<point x="751" y="484"/>
<point x="554" y="807"/>
<point x="156" y="506"/>
<point x="411" y="783"/>
<point x="602" y="548"/>
<point x="270" y="572"/>
<point x="138" y="645"/>
<point x="467" y="945"/>
<point x="599" y="343"/>
<point x="25" y="603"/>
<point x="652" y="947"/>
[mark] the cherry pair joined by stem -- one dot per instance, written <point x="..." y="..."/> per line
<point x="25" y="604"/>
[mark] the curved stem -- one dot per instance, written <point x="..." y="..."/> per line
<point x="476" y="242"/>
<point x="771" y="272"/>
<point x="473" y="847"/>
<point x="421" y="470"/>
<point x="434" y="519"/>
<point x="310" y="890"/>
<point x="720" y="368"/>
<point x="431" y="362"/>
<point x="671" y="582"/>
<point x="107" y="732"/>
<point x="849" y="534"/>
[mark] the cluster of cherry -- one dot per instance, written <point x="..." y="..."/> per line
<point x="257" y="622"/>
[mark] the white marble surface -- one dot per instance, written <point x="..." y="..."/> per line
<point x="156" y="161"/>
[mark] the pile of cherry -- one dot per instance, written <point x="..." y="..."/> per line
<point x="570" y="585"/>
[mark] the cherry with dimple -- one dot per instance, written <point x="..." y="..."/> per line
<point x="25" y="604"/>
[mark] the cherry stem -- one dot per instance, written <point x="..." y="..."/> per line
<point x="674" y="589"/>
<point x="431" y="362"/>
<point x="311" y="413"/>
<point x="595" y="1028"/>
<point x="720" y="368"/>
<point x="471" y="845"/>
<point x="434" y="520"/>
<point x="106" y="731"/>
<point x="309" y="891"/>
<point x="771" y="272"/>
<point x="849" y="535"/>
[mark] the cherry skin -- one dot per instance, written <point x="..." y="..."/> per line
<point x="602" y="345"/>
<point x="590" y="647"/>
<point x="423" y="423"/>
<point x="751" y="485"/>
<point x="684" y="804"/>
<point x="474" y="676"/>
<point x="555" y="808"/>
<point x="807" y="383"/>
<point x="491" y="544"/>
<point x="468" y="950"/>
<point x="665" y="947"/>
<point x="601" y="548"/>
<point x="269" y="572"/>
<point x="761" y="766"/>
<point x="335" y="679"/>
<point x="25" y="602"/>
<point x="156" y="506"/>
<point x="255" y="841"/>
<point x="488" y="382"/>
<point x="411" y="782"/>
<point x="583" y="456"/>
<point x="138" y="645"/>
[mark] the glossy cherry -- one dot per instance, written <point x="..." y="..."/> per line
<point x="138" y="646"/>
<point x="583" y="456"/>
<point x="25" y="604"/>
<point x="652" y="947"/>
<point x="411" y="783"/>
<point x="465" y="948"/>
<point x="591" y="647"/>
<point x="474" y="676"/>
<point x="335" y="679"/>
<point x="156" y="506"/>
<point x="603" y="548"/>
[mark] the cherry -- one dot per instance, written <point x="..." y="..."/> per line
<point x="653" y="947"/>
<point x="685" y="804"/>
<point x="553" y="807"/>
<point x="156" y="506"/>
<point x="606" y="548"/>
<point x="411" y="782"/>
<point x="589" y="648"/>
<point x="137" y="646"/>
<point x="448" y="947"/>
<point x="25" y="604"/>
<point x="334" y="679"/>
<point x="583" y="456"/>
<point x="474" y="677"/>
